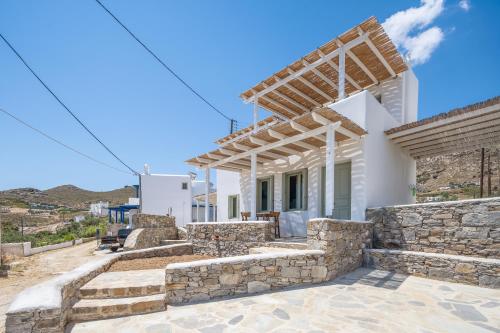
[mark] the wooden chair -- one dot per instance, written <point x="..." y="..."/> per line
<point x="276" y="217"/>
<point x="245" y="216"/>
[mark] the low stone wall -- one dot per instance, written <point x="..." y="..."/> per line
<point x="24" y="249"/>
<point x="467" y="227"/>
<point x="206" y="279"/>
<point x="461" y="269"/>
<point x="150" y="230"/>
<point x="223" y="239"/>
<point x="342" y="241"/>
<point x="45" y="307"/>
<point x="181" y="233"/>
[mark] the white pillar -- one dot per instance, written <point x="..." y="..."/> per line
<point x="255" y="114"/>
<point x="197" y="211"/>
<point x="253" y="186"/>
<point x="330" y="170"/>
<point x="341" y="72"/>
<point x="207" y="192"/>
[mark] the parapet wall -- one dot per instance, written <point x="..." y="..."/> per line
<point x="342" y="241"/>
<point x="466" y="227"/>
<point x="224" y="239"/>
<point x="150" y="230"/>
<point x="206" y="279"/>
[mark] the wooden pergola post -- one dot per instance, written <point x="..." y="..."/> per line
<point x="330" y="171"/>
<point x="253" y="186"/>
<point x="207" y="192"/>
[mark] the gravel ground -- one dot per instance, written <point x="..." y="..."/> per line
<point x="29" y="271"/>
<point x="153" y="263"/>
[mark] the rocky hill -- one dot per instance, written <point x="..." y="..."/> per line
<point x="69" y="196"/>
<point x="458" y="173"/>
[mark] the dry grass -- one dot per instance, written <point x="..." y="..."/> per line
<point x="153" y="263"/>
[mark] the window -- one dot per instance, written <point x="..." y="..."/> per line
<point x="265" y="189"/>
<point x="184" y="186"/>
<point x="295" y="190"/>
<point x="233" y="206"/>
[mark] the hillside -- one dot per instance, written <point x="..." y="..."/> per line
<point x="458" y="173"/>
<point x="66" y="196"/>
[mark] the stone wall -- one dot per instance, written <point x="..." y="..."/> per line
<point x="467" y="227"/>
<point x="342" y="241"/>
<point x="150" y="230"/>
<point x="481" y="272"/>
<point x="206" y="279"/>
<point x="45" y="307"/>
<point x="223" y="239"/>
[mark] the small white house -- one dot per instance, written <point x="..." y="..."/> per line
<point x="343" y="136"/>
<point x="166" y="194"/>
<point x="99" y="209"/>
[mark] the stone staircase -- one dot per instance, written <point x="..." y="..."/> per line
<point x="116" y="294"/>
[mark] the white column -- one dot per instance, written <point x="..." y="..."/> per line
<point x="330" y="170"/>
<point x="197" y="211"/>
<point x="255" y="114"/>
<point x="207" y="192"/>
<point x="253" y="186"/>
<point x="341" y="72"/>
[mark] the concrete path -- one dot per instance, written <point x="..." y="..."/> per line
<point x="31" y="270"/>
<point x="363" y="301"/>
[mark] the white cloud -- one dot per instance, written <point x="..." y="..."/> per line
<point x="464" y="4"/>
<point x="408" y="30"/>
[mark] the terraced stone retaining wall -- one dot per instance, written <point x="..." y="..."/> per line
<point x="150" y="230"/>
<point x="206" y="279"/>
<point x="342" y="241"/>
<point x="224" y="239"/>
<point x="467" y="227"/>
<point x="45" y="307"/>
<point x="477" y="271"/>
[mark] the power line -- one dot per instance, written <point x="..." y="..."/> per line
<point x="60" y="142"/>
<point x="163" y="63"/>
<point x="64" y="105"/>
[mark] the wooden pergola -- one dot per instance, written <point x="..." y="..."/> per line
<point x="472" y="127"/>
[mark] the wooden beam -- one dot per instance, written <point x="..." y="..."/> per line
<point x="301" y="94"/>
<point x="301" y="128"/>
<point x="283" y="149"/>
<point x="358" y="40"/>
<point x="359" y="63"/>
<point x="334" y="66"/>
<point x="267" y="153"/>
<point x="277" y="144"/>
<point x="321" y="76"/>
<point x="282" y="136"/>
<point x="342" y="130"/>
<point x="291" y="101"/>
<point x="278" y="104"/>
<point x="380" y="57"/>
<point x="314" y="88"/>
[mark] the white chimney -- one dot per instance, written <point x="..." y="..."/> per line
<point x="146" y="169"/>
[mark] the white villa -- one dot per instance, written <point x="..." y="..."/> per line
<point x="343" y="136"/>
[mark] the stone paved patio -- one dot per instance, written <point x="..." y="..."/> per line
<point x="363" y="301"/>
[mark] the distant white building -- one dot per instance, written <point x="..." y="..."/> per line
<point x="99" y="209"/>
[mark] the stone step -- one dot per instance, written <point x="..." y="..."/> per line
<point x="269" y="249"/>
<point x="125" y="284"/>
<point x="96" y="309"/>
<point x="173" y="242"/>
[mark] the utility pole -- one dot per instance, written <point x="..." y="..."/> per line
<point x="481" y="182"/>
<point x="489" y="173"/>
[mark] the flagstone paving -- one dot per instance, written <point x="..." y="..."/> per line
<point x="363" y="301"/>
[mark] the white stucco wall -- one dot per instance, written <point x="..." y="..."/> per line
<point x="159" y="193"/>
<point x="228" y="183"/>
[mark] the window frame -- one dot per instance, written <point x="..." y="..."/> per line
<point x="302" y="206"/>
<point x="230" y="206"/>
<point x="270" y="194"/>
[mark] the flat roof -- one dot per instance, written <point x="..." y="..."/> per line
<point x="468" y="128"/>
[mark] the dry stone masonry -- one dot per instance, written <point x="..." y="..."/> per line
<point x="477" y="271"/>
<point x="467" y="227"/>
<point x="342" y="241"/>
<point x="206" y="279"/>
<point x="150" y="230"/>
<point x="223" y="239"/>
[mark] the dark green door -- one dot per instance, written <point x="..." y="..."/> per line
<point x="342" y="206"/>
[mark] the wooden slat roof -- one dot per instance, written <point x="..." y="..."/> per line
<point x="314" y="89"/>
<point x="227" y="149"/>
<point x="462" y="129"/>
<point x="245" y="130"/>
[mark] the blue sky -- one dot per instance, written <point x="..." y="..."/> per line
<point x="222" y="48"/>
